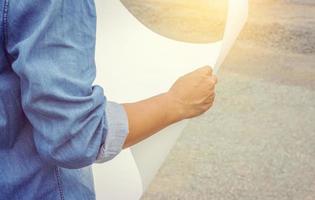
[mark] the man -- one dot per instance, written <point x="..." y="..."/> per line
<point x="54" y="124"/>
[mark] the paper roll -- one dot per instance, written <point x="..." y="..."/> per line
<point x="134" y="63"/>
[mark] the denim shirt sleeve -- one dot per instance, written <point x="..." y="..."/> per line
<point x="52" y="44"/>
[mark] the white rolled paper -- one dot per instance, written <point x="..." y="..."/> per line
<point x="134" y="63"/>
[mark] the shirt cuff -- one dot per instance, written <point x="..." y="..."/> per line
<point x="118" y="129"/>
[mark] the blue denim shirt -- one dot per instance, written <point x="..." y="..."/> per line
<point x="53" y="123"/>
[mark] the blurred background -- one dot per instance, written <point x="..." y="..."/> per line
<point x="197" y="21"/>
<point x="258" y="141"/>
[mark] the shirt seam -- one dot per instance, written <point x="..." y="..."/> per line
<point x="6" y="29"/>
<point x="59" y="183"/>
<point x="5" y="20"/>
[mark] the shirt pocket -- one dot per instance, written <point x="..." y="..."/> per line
<point x="12" y="117"/>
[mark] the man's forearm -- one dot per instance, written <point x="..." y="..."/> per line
<point x="150" y="116"/>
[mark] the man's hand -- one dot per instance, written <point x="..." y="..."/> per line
<point x="194" y="93"/>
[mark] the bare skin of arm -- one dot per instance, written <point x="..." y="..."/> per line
<point x="190" y="96"/>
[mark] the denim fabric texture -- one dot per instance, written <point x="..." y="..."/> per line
<point x="54" y="124"/>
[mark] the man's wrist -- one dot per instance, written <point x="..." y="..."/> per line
<point x="174" y="111"/>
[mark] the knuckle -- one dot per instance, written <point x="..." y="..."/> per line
<point x="212" y="82"/>
<point x="207" y="70"/>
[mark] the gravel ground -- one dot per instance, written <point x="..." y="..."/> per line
<point x="258" y="141"/>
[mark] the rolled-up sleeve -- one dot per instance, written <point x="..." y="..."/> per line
<point x="51" y="45"/>
<point x="116" y="134"/>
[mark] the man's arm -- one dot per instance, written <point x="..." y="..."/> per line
<point x="52" y="50"/>
<point x="190" y="96"/>
<point x="51" y="44"/>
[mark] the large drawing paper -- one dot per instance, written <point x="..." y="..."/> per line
<point x="134" y="63"/>
<point x="237" y="15"/>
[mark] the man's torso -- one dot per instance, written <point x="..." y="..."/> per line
<point x="23" y="174"/>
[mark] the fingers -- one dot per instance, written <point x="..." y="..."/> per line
<point x="212" y="81"/>
<point x="209" y="72"/>
<point x="206" y="70"/>
<point x="211" y="97"/>
<point x="209" y="104"/>
<point x="215" y="79"/>
<point x="210" y="100"/>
